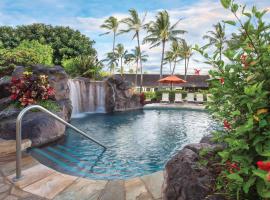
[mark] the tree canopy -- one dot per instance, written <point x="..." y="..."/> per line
<point x="65" y="42"/>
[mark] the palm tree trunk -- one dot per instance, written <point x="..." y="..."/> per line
<point x="161" y="64"/>
<point x="114" y="35"/>
<point x="187" y="65"/>
<point x="185" y="68"/>
<point x="220" y="52"/>
<point x="170" y="67"/>
<point x="174" y="66"/>
<point x="136" y="76"/>
<point x="121" y="68"/>
<point x="140" y="55"/>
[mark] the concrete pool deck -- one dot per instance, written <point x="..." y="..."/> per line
<point x="184" y="105"/>
<point x="40" y="182"/>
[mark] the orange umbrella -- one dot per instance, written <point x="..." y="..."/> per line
<point x="172" y="79"/>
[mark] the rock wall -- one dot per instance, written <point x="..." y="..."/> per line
<point x="186" y="178"/>
<point x="39" y="127"/>
<point x="120" y="95"/>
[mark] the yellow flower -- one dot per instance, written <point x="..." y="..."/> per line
<point x="27" y="73"/>
<point x="256" y="118"/>
<point x="262" y="111"/>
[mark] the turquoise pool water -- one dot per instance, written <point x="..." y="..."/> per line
<point x="139" y="142"/>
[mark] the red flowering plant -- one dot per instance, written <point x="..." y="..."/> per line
<point x="30" y="88"/>
<point x="142" y="98"/>
<point x="240" y="88"/>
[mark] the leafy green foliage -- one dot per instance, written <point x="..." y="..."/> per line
<point x="65" y="42"/>
<point x="240" y="85"/>
<point x="86" y="66"/>
<point x="27" y="53"/>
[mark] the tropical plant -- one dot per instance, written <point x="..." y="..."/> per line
<point x="111" y="24"/>
<point x="26" y="54"/>
<point x="169" y="59"/>
<point x="160" y="31"/>
<point x="135" y="25"/>
<point x="86" y="66"/>
<point x="120" y="54"/>
<point x="216" y="38"/>
<point x="30" y="88"/>
<point x="185" y="53"/>
<point x="240" y="88"/>
<point x="138" y="56"/>
<point x="173" y="55"/>
<point x="65" y="42"/>
<point x="112" y="61"/>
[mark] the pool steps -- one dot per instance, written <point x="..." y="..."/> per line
<point x="64" y="158"/>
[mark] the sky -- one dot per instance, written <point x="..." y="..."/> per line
<point x="197" y="16"/>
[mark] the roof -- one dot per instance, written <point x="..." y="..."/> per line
<point x="151" y="80"/>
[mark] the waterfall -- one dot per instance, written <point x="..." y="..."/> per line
<point x="87" y="96"/>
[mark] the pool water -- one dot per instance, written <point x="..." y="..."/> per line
<point x="138" y="142"/>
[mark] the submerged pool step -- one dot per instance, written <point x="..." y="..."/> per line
<point x="66" y="161"/>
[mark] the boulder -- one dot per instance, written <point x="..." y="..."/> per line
<point x="39" y="127"/>
<point x="120" y="95"/>
<point x="186" y="178"/>
<point x="4" y="83"/>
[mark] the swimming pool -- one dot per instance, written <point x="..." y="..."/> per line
<point x="138" y="142"/>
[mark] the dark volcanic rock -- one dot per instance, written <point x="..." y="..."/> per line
<point x="39" y="127"/>
<point x="186" y="178"/>
<point x="120" y="95"/>
<point x="4" y="83"/>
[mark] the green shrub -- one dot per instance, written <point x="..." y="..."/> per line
<point x="65" y="42"/>
<point x="48" y="104"/>
<point x="27" y="53"/>
<point x="240" y="87"/>
<point x="171" y="94"/>
<point x="86" y="66"/>
<point x="150" y="95"/>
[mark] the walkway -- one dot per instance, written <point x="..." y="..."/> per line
<point x="40" y="182"/>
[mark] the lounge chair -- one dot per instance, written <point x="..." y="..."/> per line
<point x="190" y="97"/>
<point x="209" y="98"/>
<point x="147" y="100"/>
<point x="199" y="98"/>
<point x="165" y="98"/>
<point x="178" y="98"/>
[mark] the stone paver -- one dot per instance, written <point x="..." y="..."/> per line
<point x="114" y="190"/>
<point x="136" y="190"/>
<point x="82" y="189"/>
<point x="42" y="183"/>
<point x="9" y="146"/>
<point x="9" y="168"/>
<point x="153" y="183"/>
<point x="32" y="175"/>
<point x="11" y="197"/>
<point x="50" y="186"/>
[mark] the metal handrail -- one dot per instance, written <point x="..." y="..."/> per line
<point x="19" y="134"/>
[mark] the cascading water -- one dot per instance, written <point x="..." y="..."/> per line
<point x="87" y="96"/>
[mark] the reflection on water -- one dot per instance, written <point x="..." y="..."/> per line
<point x="139" y="142"/>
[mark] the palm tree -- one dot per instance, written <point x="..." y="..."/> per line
<point x="135" y="25"/>
<point x="111" y="24"/>
<point x="120" y="54"/>
<point x="174" y="54"/>
<point x="185" y="53"/>
<point x="216" y="38"/>
<point x="138" y="56"/>
<point x="160" y="31"/>
<point x="111" y="61"/>
<point x="169" y="59"/>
